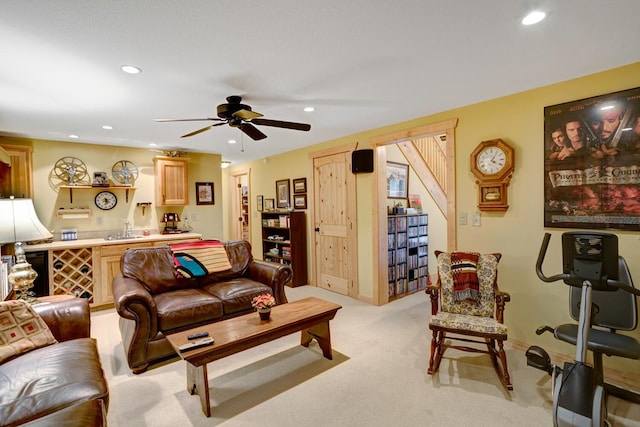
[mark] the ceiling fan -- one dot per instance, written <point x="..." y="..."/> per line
<point x="237" y="114"/>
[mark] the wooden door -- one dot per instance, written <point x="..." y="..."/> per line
<point x="240" y="196"/>
<point x="334" y="222"/>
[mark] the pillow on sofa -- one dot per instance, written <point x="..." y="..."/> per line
<point x="21" y="329"/>
<point x="197" y="259"/>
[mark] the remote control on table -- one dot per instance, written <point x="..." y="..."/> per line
<point x="196" y="344"/>
<point x="198" y="335"/>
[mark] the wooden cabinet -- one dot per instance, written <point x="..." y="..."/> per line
<point x="284" y="240"/>
<point x="16" y="179"/>
<point x="408" y="240"/>
<point x="110" y="268"/>
<point x="172" y="181"/>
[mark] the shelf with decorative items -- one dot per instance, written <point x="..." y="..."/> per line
<point x="408" y="252"/>
<point x="101" y="189"/>
<point x="284" y="240"/>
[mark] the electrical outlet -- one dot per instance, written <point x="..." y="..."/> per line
<point x="194" y="218"/>
<point x="99" y="220"/>
<point x="476" y="219"/>
<point x="462" y="218"/>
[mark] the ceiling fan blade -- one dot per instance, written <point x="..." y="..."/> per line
<point x="252" y="131"/>
<point x="202" y="130"/>
<point x="281" y="124"/>
<point x="186" y="120"/>
<point x="246" y="114"/>
<point x="196" y="132"/>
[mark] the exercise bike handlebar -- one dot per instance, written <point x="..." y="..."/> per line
<point x="541" y="255"/>
<point x="565" y="276"/>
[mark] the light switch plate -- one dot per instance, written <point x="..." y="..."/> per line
<point x="476" y="219"/>
<point x="462" y="218"/>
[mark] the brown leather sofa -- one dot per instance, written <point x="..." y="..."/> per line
<point x="152" y="302"/>
<point x="62" y="383"/>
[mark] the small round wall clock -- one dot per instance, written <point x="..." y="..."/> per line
<point x="106" y="200"/>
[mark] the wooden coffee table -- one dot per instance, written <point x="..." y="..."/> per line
<point x="310" y="315"/>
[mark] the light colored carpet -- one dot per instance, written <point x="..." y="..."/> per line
<point x="377" y="378"/>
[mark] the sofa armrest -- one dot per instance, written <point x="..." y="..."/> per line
<point x="66" y="316"/>
<point x="273" y="275"/>
<point x="134" y="302"/>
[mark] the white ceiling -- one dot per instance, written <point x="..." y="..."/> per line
<point x="362" y="63"/>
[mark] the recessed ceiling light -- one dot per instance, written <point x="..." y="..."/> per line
<point x="533" y="17"/>
<point x="74" y="136"/>
<point x="131" y="69"/>
<point x="232" y="141"/>
<point x="309" y="109"/>
<point x="107" y="127"/>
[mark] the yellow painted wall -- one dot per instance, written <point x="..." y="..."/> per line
<point x="101" y="158"/>
<point x="517" y="233"/>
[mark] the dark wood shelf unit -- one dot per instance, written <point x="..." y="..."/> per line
<point x="408" y="255"/>
<point x="291" y="227"/>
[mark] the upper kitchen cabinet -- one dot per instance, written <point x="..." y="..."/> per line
<point x="15" y="171"/>
<point x="172" y="181"/>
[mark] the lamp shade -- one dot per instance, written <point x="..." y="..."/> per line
<point x="19" y="222"/>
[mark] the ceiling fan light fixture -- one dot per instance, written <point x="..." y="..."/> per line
<point x="533" y="17"/>
<point x="131" y="69"/>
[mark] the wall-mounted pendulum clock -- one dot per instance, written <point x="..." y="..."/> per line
<point x="492" y="162"/>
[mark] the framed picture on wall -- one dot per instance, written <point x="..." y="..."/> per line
<point x="260" y="203"/>
<point x="204" y="193"/>
<point x="591" y="162"/>
<point x="397" y="180"/>
<point x="269" y="204"/>
<point x="300" y="201"/>
<point x="299" y="185"/>
<point x="283" y="192"/>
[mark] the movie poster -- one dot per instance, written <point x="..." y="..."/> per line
<point x="592" y="162"/>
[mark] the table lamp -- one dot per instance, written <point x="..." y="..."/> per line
<point x="19" y="223"/>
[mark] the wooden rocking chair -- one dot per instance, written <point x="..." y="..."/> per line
<point x="478" y="315"/>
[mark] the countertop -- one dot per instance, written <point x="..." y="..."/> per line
<point x="85" y="243"/>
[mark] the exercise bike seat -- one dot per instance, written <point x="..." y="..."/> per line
<point x="604" y="342"/>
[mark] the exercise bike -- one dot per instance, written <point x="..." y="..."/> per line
<point x="592" y="267"/>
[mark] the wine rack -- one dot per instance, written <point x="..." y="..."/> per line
<point x="72" y="272"/>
